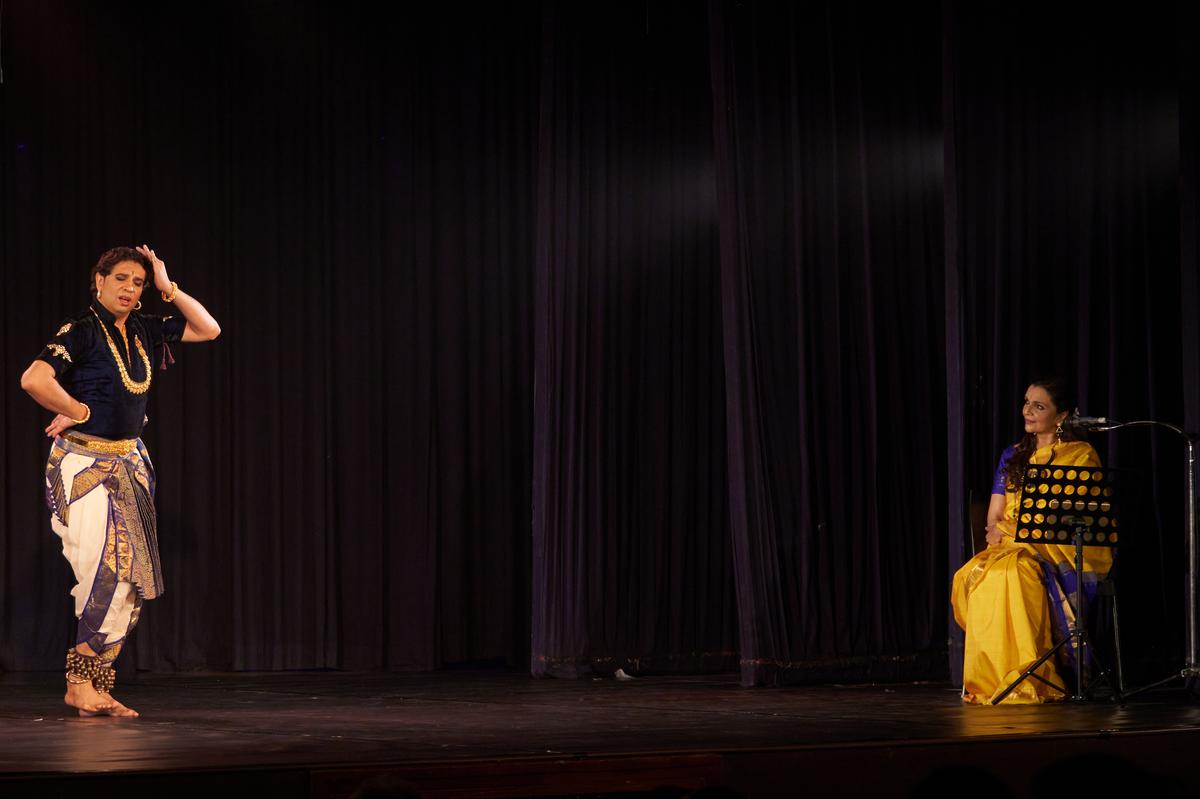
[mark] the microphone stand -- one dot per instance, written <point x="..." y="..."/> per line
<point x="1191" y="668"/>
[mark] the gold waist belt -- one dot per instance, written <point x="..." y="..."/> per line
<point x="102" y="446"/>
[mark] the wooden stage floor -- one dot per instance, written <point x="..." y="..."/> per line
<point x="458" y="734"/>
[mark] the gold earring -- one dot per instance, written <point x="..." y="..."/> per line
<point x="1058" y="432"/>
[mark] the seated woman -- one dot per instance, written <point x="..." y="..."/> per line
<point x="1012" y="599"/>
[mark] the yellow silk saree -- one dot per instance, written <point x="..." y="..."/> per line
<point x="1012" y="600"/>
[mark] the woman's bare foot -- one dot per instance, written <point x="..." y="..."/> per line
<point x="83" y="693"/>
<point x="86" y="699"/>
<point x="116" y="709"/>
<point x="90" y="702"/>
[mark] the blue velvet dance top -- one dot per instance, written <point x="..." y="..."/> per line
<point x="108" y="372"/>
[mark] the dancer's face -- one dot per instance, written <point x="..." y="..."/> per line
<point x="120" y="290"/>
<point x="1041" y="417"/>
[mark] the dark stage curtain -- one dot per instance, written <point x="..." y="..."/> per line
<point x="655" y="335"/>
<point x="1189" y="187"/>
<point x="630" y="528"/>
<point x="1062" y="190"/>
<point x="344" y="474"/>
<point x="829" y="165"/>
<point x="959" y="497"/>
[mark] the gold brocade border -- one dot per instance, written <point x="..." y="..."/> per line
<point x="122" y="447"/>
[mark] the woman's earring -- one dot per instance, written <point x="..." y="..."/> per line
<point x="138" y="307"/>
<point x="1058" y="432"/>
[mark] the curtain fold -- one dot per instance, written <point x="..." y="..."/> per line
<point x="1189" y="204"/>
<point x="1066" y="175"/>
<point x="1189" y="188"/>
<point x="959" y="542"/>
<point x="630" y="543"/>
<point x="829" y="162"/>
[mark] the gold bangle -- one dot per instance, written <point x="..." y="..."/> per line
<point x="174" y="291"/>
<point x="87" y="414"/>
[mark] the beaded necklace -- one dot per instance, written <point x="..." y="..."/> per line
<point x="131" y="385"/>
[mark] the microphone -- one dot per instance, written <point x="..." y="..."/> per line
<point x="1089" y="422"/>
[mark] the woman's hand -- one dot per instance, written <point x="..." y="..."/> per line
<point x="59" y="424"/>
<point x="995" y="515"/>
<point x="161" y="281"/>
<point x="39" y="382"/>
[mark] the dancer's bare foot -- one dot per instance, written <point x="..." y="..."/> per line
<point x="86" y="699"/>
<point x="116" y="709"/>
<point x="90" y="702"/>
<point x="83" y="695"/>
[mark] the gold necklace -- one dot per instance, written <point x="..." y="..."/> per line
<point x="131" y="385"/>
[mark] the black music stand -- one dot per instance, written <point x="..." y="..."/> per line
<point x="1060" y="504"/>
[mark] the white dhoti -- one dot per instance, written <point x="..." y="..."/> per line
<point x="100" y="495"/>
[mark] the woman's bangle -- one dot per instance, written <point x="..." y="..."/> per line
<point x="174" y="291"/>
<point x="87" y="414"/>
